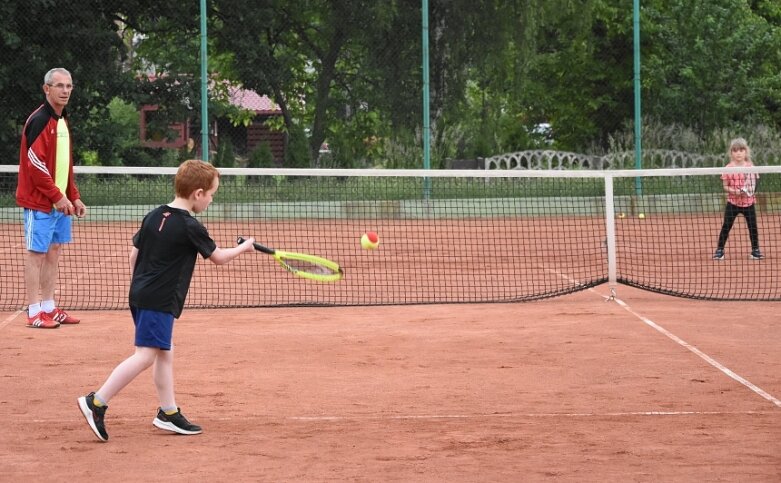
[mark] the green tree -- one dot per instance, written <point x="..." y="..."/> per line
<point x="349" y="71"/>
<point x="225" y="157"/>
<point x="711" y="64"/>
<point x="261" y="157"/>
<point x="297" y="53"/>
<point x="83" y="38"/>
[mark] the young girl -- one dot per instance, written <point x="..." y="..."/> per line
<point x="163" y="258"/>
<point x="738" y="202"/>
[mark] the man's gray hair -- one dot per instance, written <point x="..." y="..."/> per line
<point x="47" y="79"/>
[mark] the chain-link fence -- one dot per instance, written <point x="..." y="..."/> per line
<point x="339" y="84"/>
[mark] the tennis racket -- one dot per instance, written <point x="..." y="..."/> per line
<point x="750" y="184"/>
<point x="303" y="265"/>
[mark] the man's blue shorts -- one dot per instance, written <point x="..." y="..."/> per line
<point x="42" y="229"/>
<point x="153" y="328"/>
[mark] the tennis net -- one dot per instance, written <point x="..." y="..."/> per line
<point x="445" y="236"/>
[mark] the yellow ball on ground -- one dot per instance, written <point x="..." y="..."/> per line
<point x="641" y="215"/>
<point x="370" y="240"/>
<point x="622" y="215"/>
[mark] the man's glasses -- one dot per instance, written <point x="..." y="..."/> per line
<point x="68" y="87"/>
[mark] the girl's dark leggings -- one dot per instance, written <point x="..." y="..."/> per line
<point x="730" y="213"/>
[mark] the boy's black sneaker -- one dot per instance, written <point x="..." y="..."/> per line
<point x="756" y="255"/>
<point x="718" y="254"/>
<point x="175" y="422"/>
<point x="94" y="415"/>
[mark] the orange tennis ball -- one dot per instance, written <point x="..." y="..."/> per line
<point x="370" y="240"/>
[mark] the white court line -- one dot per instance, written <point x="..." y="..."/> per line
<point x="713" y="362"/>
<point x="710" y="360"/>
<point x="10" y="318"/>
<point x="434" y="417"/>
<point x="526" y="415"/>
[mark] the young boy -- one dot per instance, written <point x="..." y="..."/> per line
<point x="163" y="259"/>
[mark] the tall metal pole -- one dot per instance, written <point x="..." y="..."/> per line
<point x="426" y="112"/>
<point x="426" y="100"/>
<point x="204" y="89"/>
<point x="638" y="111"/>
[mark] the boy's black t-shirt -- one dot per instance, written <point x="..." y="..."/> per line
<point x="168" y="243"/>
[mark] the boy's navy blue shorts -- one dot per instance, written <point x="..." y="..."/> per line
<point x="153" y="328"/>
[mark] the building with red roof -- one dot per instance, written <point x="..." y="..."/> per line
<point x="244" y="139"/>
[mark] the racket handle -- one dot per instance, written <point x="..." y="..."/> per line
<point x="257" y="246"/>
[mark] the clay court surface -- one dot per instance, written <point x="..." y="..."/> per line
<point x="651" y="388"/>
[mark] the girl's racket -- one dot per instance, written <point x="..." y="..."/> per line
<point x="303" y="265"/>
<point x="750" y="184"/>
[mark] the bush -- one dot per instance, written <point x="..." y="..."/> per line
<point x="261" y="157"/>
<point x="765" y="141"/>
<point x="297" y="152"/>
<point x="225" y="158"/>
<point x="140" y="156"/>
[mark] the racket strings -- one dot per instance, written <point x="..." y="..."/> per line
<point x="750" y="184"/>
<point x="307" y="266"/>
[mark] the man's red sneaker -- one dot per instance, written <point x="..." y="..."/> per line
<point x="59" y="315"/>
<point x="42" y="321"/>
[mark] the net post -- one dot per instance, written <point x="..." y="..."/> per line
<point x="610" y="235"/>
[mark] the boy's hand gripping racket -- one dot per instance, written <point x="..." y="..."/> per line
<point x="750" y="184"/>
<point x="303" y="265"/>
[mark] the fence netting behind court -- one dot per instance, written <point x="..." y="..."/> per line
<point x="445" y="236"/>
